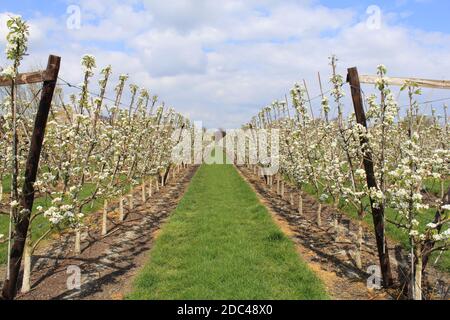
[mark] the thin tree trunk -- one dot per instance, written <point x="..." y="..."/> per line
<point x="77" y="249"/>
<point x="336" y="228"/>
<point x="282" y="190"/>
<point x="105" y="218"/>
<point x="417" y="285"/>
<point x="359" y="242"/>
<point x="300" y="204"/>
<point x="26" y="285"/>
<point x="121" y="211"/>
<point x="150" y="189"/>
<point x="131" y="202"/>
<point x="319" y="215"/>
<point x="144" y="193"/>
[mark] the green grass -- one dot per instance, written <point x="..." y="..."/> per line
<point x="434" y="186"/>
<point x="221" y="243"/>
<point x="395" y="233"/>
<point x="6" y="183"/>
<point x="41" y="224"/>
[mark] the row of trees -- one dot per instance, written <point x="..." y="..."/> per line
<point x="95" y="148"/>
<point x="407" y="152"/>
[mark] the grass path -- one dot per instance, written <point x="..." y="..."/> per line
<point x="221" y="243"/>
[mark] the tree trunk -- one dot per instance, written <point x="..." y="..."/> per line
<point x="336" y="228"/>
<point x="26" y="281"/>
<point x="77" y="249"/>
<point x="166" y="175"/>
<point x="131" y="202"/>
<point x="105" y="218"/>
<point x="319" y="215"/>
<point x="359" y="242"/>
<point x="300" y="204"/>
<point x="144" y="193"/>
<point x="278" y="185"/>
<point x="150" y="191"/>
<point x="121" y="211"/>
<point x="282" y="190"/>
<point x="1" y="191"/>
<point x="417" y="285"/>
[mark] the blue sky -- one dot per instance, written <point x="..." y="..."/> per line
<point x="428" y="15"/>
<point x="221" y="61"/>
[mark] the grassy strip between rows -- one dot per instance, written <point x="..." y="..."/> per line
<point x="398" y="234"/>
<point x="221" y="243"/>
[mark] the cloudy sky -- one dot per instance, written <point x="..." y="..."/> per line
<point x="221" y="61"/>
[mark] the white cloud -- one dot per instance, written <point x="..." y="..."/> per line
<point x="222" y="61"/>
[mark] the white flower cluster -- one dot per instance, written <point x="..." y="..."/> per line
<point x="327" y="156"/>
<point x="17" y="38"/>
<point x="8" y="72"/>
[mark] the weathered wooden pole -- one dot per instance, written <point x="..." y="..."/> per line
<point x="27" y="197"/>
<point x="377" y="209"/>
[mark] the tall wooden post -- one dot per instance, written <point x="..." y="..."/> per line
<point x="27" y="197"/>
<point x="377" y="210"/>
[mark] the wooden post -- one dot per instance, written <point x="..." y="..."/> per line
<point x="27" y="197"/>
<point x="377" y="210"/>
